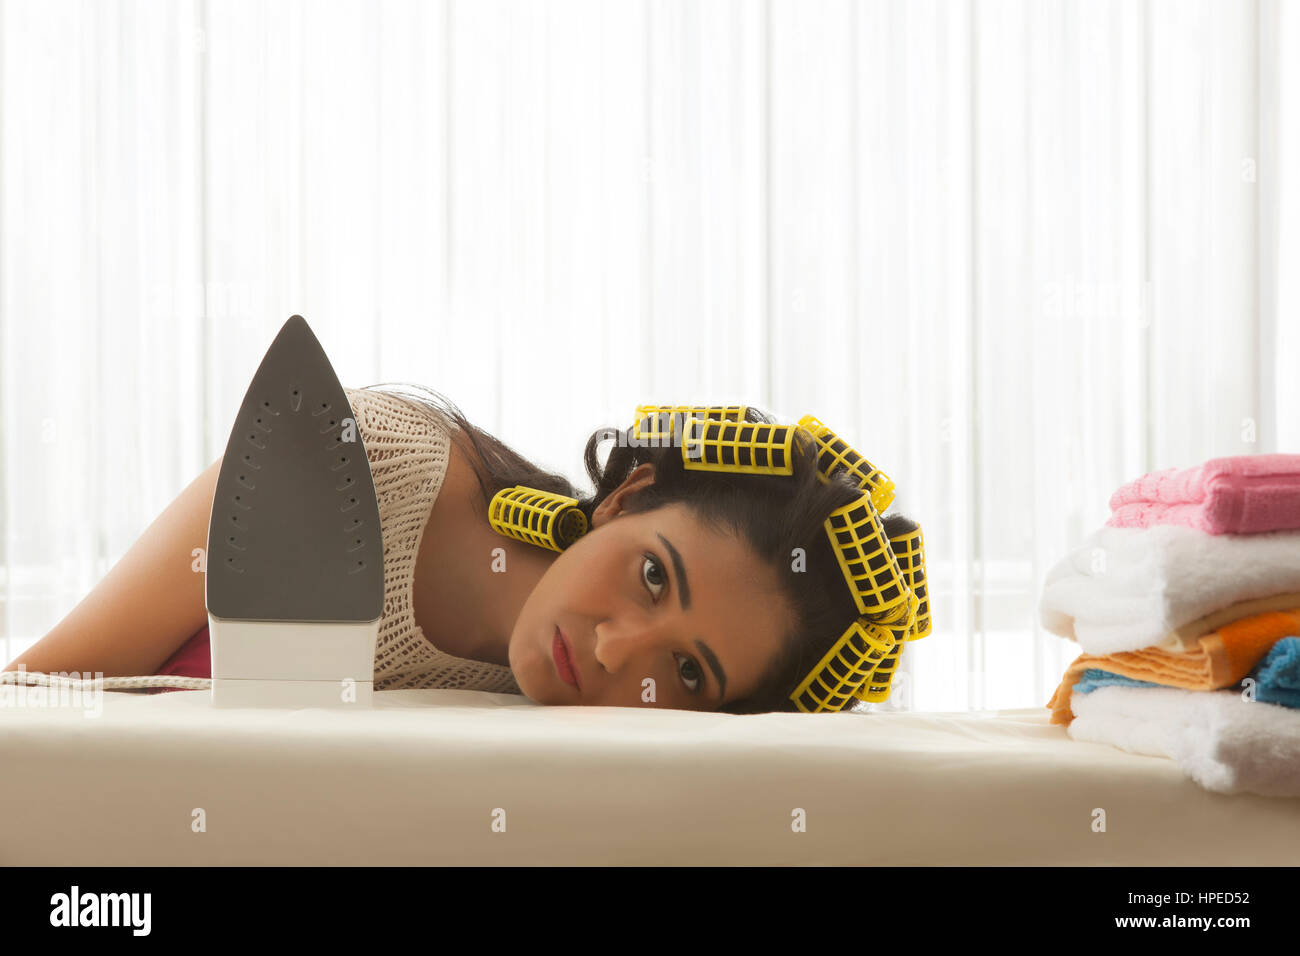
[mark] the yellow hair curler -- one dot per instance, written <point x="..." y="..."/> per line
<point x="900" y="622"/>
<point x="877" y="688"/>
<point x="748" y="448"/>
<point x="659" y="422"/>
<point x="909" y="548"/>
<point x="834" y="453"/>
<point x="870" y="568"/>
<point x="842" y="670"/>
<point x="537" y="517"/>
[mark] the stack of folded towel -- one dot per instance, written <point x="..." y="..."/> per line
<point x="1186" y="606"/>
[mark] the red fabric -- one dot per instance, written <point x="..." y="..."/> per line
<point x="192" y="659"/>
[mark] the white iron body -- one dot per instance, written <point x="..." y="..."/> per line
<point x="291" y="663"/>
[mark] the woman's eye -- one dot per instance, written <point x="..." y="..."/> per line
<point x="662" y="582"/>
<point x="687" y="668"/>
<point x="691" y="672"/>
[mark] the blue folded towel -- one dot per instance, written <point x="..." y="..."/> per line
<point x="1277" y="676"/>
<point x="1093" y="678"/>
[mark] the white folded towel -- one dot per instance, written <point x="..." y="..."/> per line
<point x="1124" y="589"/>
<point x="1221" y="740"/>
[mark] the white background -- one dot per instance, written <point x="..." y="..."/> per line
<point x="1018" y="253"/>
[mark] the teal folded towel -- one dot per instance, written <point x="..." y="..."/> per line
<point x="1277" y="676"/>
<point x="1093" y="678"/>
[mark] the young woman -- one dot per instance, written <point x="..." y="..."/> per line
<point x="688" y="591"/>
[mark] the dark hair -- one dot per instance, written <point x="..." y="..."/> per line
<point x="774" y="515"/>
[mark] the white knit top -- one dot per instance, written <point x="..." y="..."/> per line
<point x="408" y="446"/>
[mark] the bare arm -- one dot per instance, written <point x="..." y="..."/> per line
<point x="146" y="607"/>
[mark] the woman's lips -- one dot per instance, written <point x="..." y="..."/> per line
<point x="564" y="663"/>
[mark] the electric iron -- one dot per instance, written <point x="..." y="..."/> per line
<point x="295" y="579"/>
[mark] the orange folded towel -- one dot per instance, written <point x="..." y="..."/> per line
<point x="1218" y="659"/>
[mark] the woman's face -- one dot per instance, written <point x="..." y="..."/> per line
<point x="655" y="610"/>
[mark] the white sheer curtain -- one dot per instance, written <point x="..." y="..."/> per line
<point x="1016" y="252"/>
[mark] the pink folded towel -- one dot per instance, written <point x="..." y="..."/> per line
<point x="1244" y="494"/>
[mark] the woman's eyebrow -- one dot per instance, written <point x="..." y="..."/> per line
<point x="684" y="588"/>
<point x="684" y="585"/>
<point x="713" y="662"/>
<point x="684" y="597"/>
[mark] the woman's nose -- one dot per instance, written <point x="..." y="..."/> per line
<point x="621" y="642"/>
